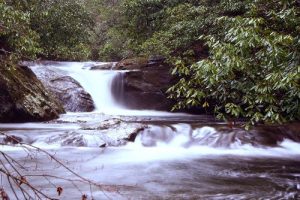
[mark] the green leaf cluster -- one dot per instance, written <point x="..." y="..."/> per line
<point x="17" y="39"/>
<point x="48" y="29"/>
<point x="253" y="70"/>
<point x="234" y="58"/>
<point x="64" y="28"/>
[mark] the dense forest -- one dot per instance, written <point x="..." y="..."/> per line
<point x="234" y="58"/>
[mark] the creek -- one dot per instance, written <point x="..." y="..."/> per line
<point x="147" y="154"/>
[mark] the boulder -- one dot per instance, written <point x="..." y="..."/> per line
<point x="100" y="66"/>
<point x="23" y="97"/>
<point x="132" y="64"/>
<point x="144" y="86"/>
<point x="110" y="132"/>
<point x="69" y="92"/>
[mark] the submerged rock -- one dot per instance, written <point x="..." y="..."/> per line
<point x="12" y="139"/>
<point x="69" y="92"/>
<point x="23" y="97"/>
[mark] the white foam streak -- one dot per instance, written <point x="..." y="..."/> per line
<point x="137" y="153"/>
<point x="177" y="148"/>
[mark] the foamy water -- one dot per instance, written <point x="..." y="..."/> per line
<point x="166" y="161"/>
<point x="98" y="84"/>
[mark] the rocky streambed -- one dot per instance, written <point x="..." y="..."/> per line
<point x="119" y="151"/>
<point x="145" y="157"/>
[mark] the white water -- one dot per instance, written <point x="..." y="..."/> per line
<point x="172" y="142"/>
<point x="98" y="84"/>
<point x="165" y="161"/>
<point x="169" y="169"/>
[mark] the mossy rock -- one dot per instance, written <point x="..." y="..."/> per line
<point x="23" y="97"/>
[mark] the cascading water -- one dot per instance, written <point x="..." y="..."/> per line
<point x="165" y="159"/>
<point x="98" y="83"/>
<point x="172" y="161"/>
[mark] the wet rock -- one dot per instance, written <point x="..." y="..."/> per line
<point x="23" y="97"/>
<point x="103" y="145"/>
<point x="66" y="89"/>
<point x="112" y="132"/>
<point x="145" y="88"/>
<point x="102" y="66"/>
<point x="261" y="136"/>
<point x="209" y="136"/>
<point x="86" y="138"/>
<point x="141" y="63"/>
<point x="273" y="135"/>
<point x="109" y="124"/>
<point x="78" y="138"/>
<point x="117" y="132"/>
<point x="185" y="135"/>
<point x="132" y="64"/>
<point x="12" y="139"/>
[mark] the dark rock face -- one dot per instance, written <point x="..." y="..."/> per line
<point x="71" y="94"/>
<point x="23" y="97"/>
<point x="145" y="87"/>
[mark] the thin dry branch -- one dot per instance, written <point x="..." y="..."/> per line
<point x="20" y="180"/>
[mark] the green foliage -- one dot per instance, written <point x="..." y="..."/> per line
<point x="51" y="29"/>
<point x="17" y="39"/>
<point x="234" y="58"/>
<point x="253" y="70"/>
<point x="64" y="28"/>
<point x="109" y="39"/>
<point x="169" y="28"/>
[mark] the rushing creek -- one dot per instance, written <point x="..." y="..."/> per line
<point x="171" y="156"/>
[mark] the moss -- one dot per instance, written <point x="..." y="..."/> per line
<point x="25" y="95"/>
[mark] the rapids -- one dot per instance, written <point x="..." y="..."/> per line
<point x="172" y="156"/>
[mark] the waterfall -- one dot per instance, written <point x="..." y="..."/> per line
<point x="158" y="155"/>
<point x="117" y="89"/>
<point x="99" y="83"/>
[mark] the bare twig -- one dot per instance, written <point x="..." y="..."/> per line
<point x="21" y="179"/>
